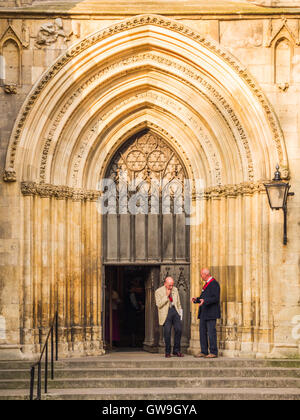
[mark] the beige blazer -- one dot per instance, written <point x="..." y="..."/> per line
<point x="163" y="303"/>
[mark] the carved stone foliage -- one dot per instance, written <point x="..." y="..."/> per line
<point x="57" y="191"/>
<point x="10" y="89"/>
<point x="29" y="188"/>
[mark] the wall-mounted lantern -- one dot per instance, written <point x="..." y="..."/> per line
<point x="278" y="193"/>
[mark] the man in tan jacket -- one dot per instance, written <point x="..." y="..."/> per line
<point x="169" y="307"/>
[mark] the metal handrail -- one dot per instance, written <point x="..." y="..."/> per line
<point x="53" y="330"/>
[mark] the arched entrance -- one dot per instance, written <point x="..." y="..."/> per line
<point x="145" y="238"/>
<point x="145" y="73"/>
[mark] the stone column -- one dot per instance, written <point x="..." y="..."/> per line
<point x="198" y="232"/>
<point x="61" y="273"/>
<point x="247" y="336"/>
<point x="150" y="321"/>
<point x="27" y="332"/>
<point x="75" y="276"/>
<point x="266" y="327"/>
<point x="10" y="271"/>
<point x="228" y="285"/>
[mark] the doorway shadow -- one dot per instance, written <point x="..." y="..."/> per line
<point x="125" y="303"/>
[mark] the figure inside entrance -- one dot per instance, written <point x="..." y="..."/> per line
<point x="115" y="302"/>
<point x="136" y="306"/>
<point x="128" y="307"/>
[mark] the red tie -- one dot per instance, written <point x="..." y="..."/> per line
<point x="205" y="286"/>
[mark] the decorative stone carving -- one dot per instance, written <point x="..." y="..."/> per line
<point x="278" y="28"/>
<point x="9" y="175"/>
<point x="11" y="33"/>
<point x="49" y="32"/>
<point x="77" y="194"/>
<point x="10" y="89"/>
<point x="283" y="87"/>
<point x="58" y="191"/>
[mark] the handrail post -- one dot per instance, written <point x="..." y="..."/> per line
<point x="56" y="336"/>
<point x="52" y="354"/>
<point x="46" y="368"/>
<point x="31" y="382"/>
<point x="53" y="330"/>
<point x="39" y="383"/>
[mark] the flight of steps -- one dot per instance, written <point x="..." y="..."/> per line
<point x="155" y="378"/>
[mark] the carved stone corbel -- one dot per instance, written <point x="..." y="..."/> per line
<point x="9" y="175"/>
<point x="10" y="89"/>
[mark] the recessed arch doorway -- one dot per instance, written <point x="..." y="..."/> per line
<point x="145" y="238"/>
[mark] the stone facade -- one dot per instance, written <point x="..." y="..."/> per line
<point x="220" y="83"/>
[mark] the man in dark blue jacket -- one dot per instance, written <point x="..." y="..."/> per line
<point x="209" y="312"/>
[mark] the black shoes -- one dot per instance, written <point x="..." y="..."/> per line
<point x="178" y="354"/>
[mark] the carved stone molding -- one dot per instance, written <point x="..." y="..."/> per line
<point x="217" y="192"/>
<point x="57" y="191"/>
<point x="209" y="93"/>
<point x="30" y="188"/>
<point x="134" y="23"/>
<point x="11" y="33"/>
<point x="275" y="31"/>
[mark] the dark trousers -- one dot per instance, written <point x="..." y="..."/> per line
<point x="208" y="331"/>
<point x="173" y="318"/>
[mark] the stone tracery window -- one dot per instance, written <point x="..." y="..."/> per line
<point x="146" y="161"/>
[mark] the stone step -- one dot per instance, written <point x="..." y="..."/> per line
<point x="160" y="382"/>
<point x="159" y="362"/>
<point x="197" y="372"/>
<point x="161" y="394"/>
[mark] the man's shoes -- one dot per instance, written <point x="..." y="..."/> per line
<point x="168" y="355"/>
<point x="211" y="356"/>
<point x="200" y="355"/>
<point x="178" y="354"/>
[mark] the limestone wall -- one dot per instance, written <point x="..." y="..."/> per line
<point x="261" y="309"/>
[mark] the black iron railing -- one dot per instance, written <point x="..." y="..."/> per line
<point x="53" y="337"/>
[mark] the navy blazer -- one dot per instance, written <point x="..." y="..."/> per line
<point x="211" y="308"/>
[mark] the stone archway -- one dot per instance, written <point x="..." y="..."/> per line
<point x="108" y="87"/>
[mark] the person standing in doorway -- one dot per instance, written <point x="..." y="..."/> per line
<point x="169" y="307"/>
<point x="209" y="312"/>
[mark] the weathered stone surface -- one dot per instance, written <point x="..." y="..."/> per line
<point x="217" y="89"/>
